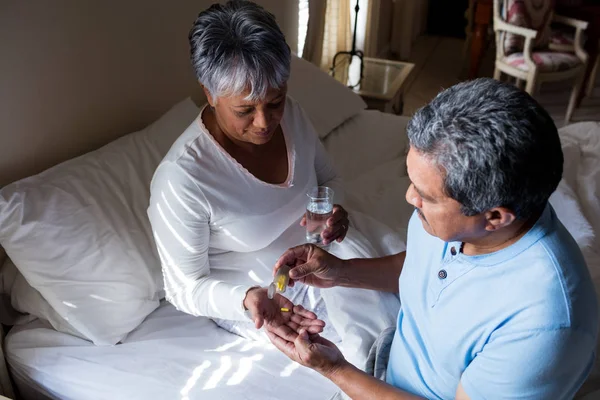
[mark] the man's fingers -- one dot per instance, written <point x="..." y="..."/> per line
<point x="302" y="343"/>
<point x="292" y="255"/>
<point x="285" y="346"/>
<point x="321" y="340"/>
<point x="283" y="331"/>
<point x="301" y="271"/>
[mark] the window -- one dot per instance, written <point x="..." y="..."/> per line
<point x="302" y="25"/>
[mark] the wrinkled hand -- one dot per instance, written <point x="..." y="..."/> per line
<point x="312" y="351"/>
<point x="337" y="225"/>
<point x="268" y="312"/>
<point x="312" y="266"/>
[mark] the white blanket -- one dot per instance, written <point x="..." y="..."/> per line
<point x="353" y="317"/>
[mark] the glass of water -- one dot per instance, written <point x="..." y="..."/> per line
<point x="318" y="211"/>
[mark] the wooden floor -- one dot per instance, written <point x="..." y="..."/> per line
<point x="439" y="63"/>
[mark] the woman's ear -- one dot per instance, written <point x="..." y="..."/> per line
<point x="498" y="218"/>
<point x="210" y="99"/>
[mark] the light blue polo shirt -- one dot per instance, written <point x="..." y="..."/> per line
<point x="518" y="323"/>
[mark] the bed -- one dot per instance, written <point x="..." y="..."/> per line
<point x="166" y="354"/>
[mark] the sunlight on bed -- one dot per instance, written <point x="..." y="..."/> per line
<point x="95" y="296"/>
<point x="193" y="379"/>
<point x="219" y="373"/>
<point x="244" y="369"/>
<point x="287" y="371"/>
<point x="227" y="346"/>
<point x="66" y="303"/>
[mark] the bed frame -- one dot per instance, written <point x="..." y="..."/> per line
<point x="76" y="75"/>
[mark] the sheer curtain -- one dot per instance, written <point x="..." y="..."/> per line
<point x="337" y="35"/>
<point x="330" y="25"/>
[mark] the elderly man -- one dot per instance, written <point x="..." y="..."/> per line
<point x="496" y="297"/>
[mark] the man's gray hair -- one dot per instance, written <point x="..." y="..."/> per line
<point x="237" y="47"/>
<point x="496" y="146"/>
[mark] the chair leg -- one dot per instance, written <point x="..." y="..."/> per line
<point x="497" y="74"/>
<point x="519" y="83"/>
<point x="592" y="78"/>
<point x="531" y="84"/>
<point x="574" y="94"/>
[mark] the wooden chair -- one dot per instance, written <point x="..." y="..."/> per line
<point x="526" y="53"/>
<point x="592" y="79"/>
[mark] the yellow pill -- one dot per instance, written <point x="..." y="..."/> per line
<point x="281" y="283"/>
<point x="285" y="309"/>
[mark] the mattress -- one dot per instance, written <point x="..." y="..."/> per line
<point x="171" y="355"/>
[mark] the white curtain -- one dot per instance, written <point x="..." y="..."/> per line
<point x="393" y="26"/>
<point x="337" y="35"/>
<point x="329" y="31"/>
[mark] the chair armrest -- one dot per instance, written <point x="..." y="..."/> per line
<point x="575" y="23"/>
<point x="500" y="25"/>
<point x="579" y="26"/>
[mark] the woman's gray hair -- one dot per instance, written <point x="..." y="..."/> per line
<point x="496" y="146"/>
<point x="238" y="46"/>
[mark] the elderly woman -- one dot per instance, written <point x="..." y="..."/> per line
<point x="228" y="198"/>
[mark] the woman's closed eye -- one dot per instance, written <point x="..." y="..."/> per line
<point x="244" y="113"/>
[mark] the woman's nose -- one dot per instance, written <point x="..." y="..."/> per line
<point x="261" y="120"/>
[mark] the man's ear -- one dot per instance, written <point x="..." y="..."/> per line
<point x="498" y="218"/>
<point x="211" y="100"/>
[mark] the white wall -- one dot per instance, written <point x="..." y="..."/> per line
<point x="77" y="74"/>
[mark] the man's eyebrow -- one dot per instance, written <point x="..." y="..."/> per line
<point x="421" y="193"/>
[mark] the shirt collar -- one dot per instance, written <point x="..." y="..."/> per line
<point x="540" y="229"/>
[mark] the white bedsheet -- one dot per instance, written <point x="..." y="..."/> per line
<point x="172" y="355"/>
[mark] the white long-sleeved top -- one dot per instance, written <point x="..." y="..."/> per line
<point x="204" y="203"/>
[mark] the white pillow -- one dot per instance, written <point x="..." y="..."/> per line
<point x="79" y="233"/>
<point x="366" y="141"/>
<point x="327" y="102"/>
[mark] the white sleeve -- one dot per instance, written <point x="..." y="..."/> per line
<point x="180" y="219"/>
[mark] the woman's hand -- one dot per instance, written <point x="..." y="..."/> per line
<point x="280" y="312"/>
<point x="337" y="225"/>
<point x="312" y="351"/>
<point x="312" y="266"/>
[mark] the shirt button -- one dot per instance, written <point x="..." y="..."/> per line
<point x="453" y="251"/>
<point x="442" y="274"/>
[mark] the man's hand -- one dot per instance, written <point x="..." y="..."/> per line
<point x="320" y="354"/>
<point x="312" y="351"/>
<point x="337" y="225"/>
<point x="312" y="266"/>
<point x="279" y="311"/>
